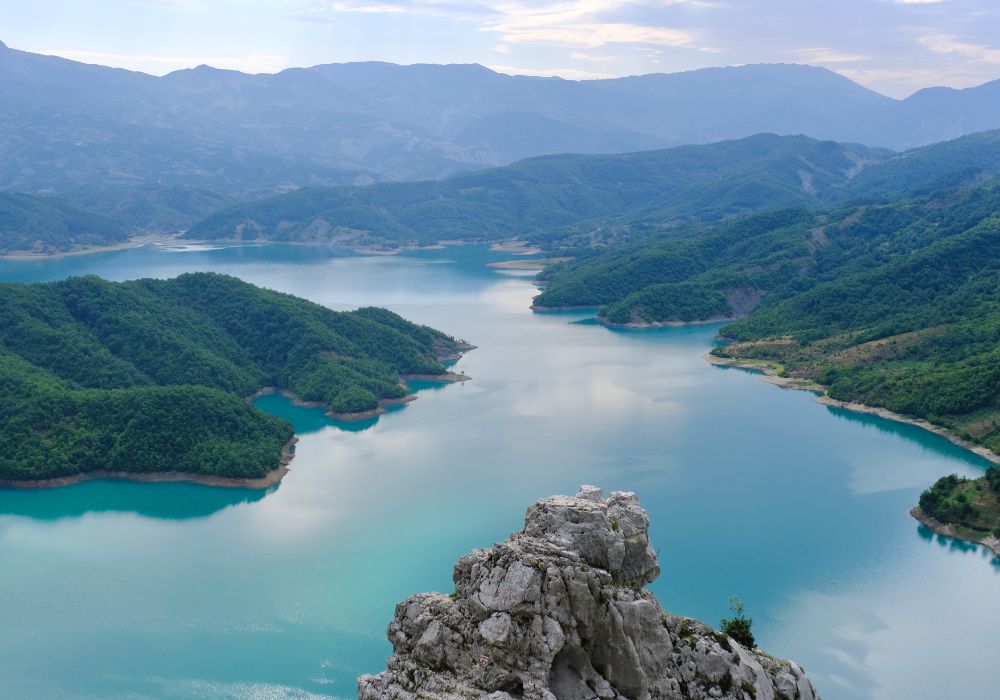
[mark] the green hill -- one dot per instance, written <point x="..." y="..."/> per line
<point x="560" y="200"/>
<point x="150" y="375"/>
<point x="46" y="225"/>
<point x="578" y="202"/>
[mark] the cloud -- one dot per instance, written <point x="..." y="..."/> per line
<point x="185" y="5"/>
<point x="579" y="24"/>
<point x="951" y="45"/>
<point x="581" y="56"/>
<point x="570" y="23"/>
<point x="828" y="55"/>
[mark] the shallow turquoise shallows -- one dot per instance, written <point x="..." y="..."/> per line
<point x="121" y="590"/>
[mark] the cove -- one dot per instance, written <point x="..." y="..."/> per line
<point x="120" y="590"/>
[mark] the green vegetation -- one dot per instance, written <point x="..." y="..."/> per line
<point x="46" y="225"/>
<point x="899" y="310"/>
<point x="580" y="202"/>
<point x="151" y="209"/>
<point x="695" y="277"/>
<point x="150" y="375"/>
<point x="567" y="200"/>
<point x="738" y="626"/>
<point x="970" y="505"/>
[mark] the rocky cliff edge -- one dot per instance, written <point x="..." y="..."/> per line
<point x="559" y="612"/>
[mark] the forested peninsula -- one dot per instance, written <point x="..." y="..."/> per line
<point x="148" y="379"/>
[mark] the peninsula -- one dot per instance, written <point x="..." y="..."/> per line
<point x="148" y="379"/>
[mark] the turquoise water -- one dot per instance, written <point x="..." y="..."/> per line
<point x="120" y="590"/>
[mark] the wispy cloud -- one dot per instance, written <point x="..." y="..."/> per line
<point x="950" y="45"/>
<point x="829" y="55"/>
<point x="580" y="24"/>
<point x="184" y="5"/>
<point x="592" y="58"/>
<point x="570" y="23"/>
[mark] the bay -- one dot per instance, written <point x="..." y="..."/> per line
<point x="123" y="590"/>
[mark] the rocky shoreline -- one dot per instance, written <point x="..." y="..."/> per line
<point x="560" y="611"/>
<point x="949" y="530"/>
<point x="264" y="482"/>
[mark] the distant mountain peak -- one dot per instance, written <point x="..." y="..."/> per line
<point x="3" y="46"/>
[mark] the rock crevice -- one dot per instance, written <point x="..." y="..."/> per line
<point x="559" y="612"/>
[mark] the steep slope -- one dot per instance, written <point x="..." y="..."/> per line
<point x="559" y="611"/>
<point x="151" y="375"/>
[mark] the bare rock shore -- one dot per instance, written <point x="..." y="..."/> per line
<point x="559" y="611"/>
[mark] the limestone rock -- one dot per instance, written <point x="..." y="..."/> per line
<point x="559" y="612"/>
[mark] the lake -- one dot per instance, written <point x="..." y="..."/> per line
<point x="124" y="590"/>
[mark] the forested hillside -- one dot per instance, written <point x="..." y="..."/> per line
<point x="561" y="200"/>
<point x="150" y="375"/>
<point x="575" y="202"/>
<point x="45" y="225"/>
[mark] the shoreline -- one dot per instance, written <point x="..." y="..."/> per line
<point x="24" y="256"/>
<point x="948" y="530"/>
<point x="531" y="265"/>
<point x="268" y="480"/>
<point x="769" y="375"/>
<point x="446" y="378"/>
<point x="667" y="324"/>
<point x="561" y="309"/>
<point x="383" y="404"/>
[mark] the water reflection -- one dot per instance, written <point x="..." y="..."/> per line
<point x="167" y="501"/>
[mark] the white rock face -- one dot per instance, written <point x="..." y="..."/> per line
<point x="559" y="612"/>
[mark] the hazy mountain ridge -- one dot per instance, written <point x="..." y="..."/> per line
<point x="68" y="123"/>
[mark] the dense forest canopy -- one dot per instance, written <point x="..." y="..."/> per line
<point x="150" y="375"/>
<point x="47" y="225"/>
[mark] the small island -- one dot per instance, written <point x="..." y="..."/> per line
<point x="149" y="379"/>
<point x="966" y="509"/>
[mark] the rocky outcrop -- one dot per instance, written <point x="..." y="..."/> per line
<point x="559" y="611"/>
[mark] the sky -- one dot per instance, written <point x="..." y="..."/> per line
<point x="893" y="46"/>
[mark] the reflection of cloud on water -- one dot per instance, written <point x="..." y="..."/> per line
<point x="876" y="473"/>
<point x="893" y="632"/>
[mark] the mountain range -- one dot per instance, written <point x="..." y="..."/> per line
<point x="69" y="126"/>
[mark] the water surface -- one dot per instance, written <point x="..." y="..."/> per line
<point x="121" y="590"/>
